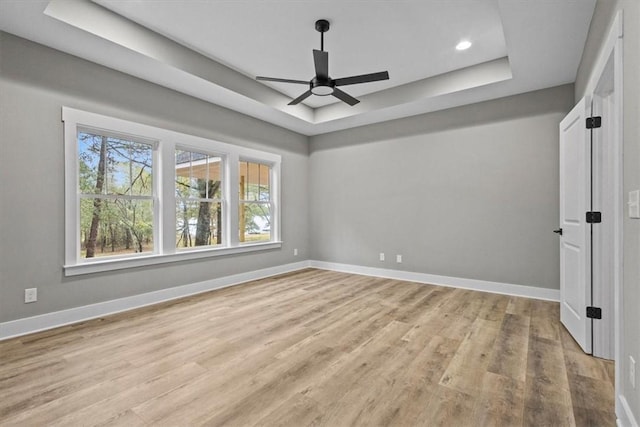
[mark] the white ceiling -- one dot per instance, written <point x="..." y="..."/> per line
<point x="213" y="50"/>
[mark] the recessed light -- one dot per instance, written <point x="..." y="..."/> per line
<point x="463" y="45"/>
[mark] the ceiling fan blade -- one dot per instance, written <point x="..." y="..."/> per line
<point x="364" y="78"/>
<point x="343" y="96"/>
<point x="321" y="61"/>
<point x="274" y="79"/>
<point x="301" y="98"/>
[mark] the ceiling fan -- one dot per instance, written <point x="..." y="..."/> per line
<point x="322" y="84"/>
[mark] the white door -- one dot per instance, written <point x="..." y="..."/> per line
<point x="575" y="240"/>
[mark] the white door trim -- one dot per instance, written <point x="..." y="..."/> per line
<point x="613" y="48"/>
<point x="615" y="33"/>
<point x="602" y="234"/>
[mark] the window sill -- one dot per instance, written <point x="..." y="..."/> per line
<point x="145" y="260"/>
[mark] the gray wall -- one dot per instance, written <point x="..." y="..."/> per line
<point x="470" y="192"/>
<point x="602" y="20"/>
<point x="35" y="82"/>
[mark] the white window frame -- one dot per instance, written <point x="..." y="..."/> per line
<point x="166" y="142"/>
<point x="223" y="196"/>
<point x="79" y="196"/>
<point x="273" y="187"/>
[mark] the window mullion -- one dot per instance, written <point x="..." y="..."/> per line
<point x="232" y="193"/>
<point x="167" y="193"/>
<point x="274" y="199"/>
<point x="114" y="196"/>
<point x="199" y="199"/>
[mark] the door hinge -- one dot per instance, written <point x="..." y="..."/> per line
<point x="594" y="217"/>
<point x="594" y="122"/>
<point x="594" y="313"/>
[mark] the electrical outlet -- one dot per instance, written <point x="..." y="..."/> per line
<point x="398" y="259"/>
<point x="30" y="295"/>
<point x="634" y="204"/>
<point x="295" y="252"/>
<point x="381" y="256"/>
<point x="632" y="371"/>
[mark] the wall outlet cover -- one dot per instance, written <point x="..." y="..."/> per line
<point x="30" y="295"/>
<point x="634" y="204"/>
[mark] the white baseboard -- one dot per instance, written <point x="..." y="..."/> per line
<point x="626" y="417"/>
<point x="453" y="282"/>
<point x="55" y="319"/>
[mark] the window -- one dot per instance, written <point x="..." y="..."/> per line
<point x="139" y="195"/>
<point x="115" y="190"/>
<point x="198" y="199"/>
<point x="255" y="202"/>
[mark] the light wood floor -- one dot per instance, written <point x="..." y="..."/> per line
<point x="311" y="348"/>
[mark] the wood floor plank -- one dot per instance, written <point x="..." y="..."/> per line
<point x="362" y="373"/>
<point x="509" y="357"/>
<point x="545" y="320"/>
<point x="580" y="364"/>
<point x="547" y="397"/>
<point x="311" y="347"/>
<point x="468" y="366"/>
<point x="501" y="402"/>
<point x="412" y="383"/>
<point x="449" y="407"/>
<point x="493" y="307"/>
<point x="272" y="388"/>
<point x="98" y="403"/>
<point x="46" y="388"/>
<point x="298" y="410"/>
<point x="521" y="306"/>
<point x="589" y="397"/>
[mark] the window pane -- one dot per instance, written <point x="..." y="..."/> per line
<point x="198" y="223"/>
<point x="198" y="175"/>
<point x="184" y="187"/>
<point x="115" y="227"/>
<point x="115" y="166"/>
<point x="254" y="181"/>
<point x="255" y="222"/>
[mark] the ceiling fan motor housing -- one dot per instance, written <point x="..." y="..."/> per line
<point x="321" y="86"/>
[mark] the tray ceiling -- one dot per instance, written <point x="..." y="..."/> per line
<point x="213" y="50"/>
